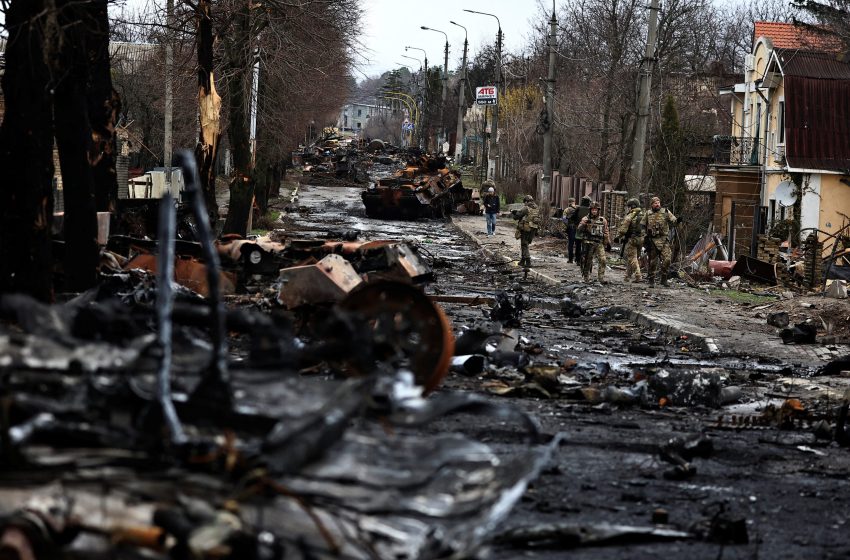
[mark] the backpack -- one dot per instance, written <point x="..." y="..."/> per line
<point x="532" y="219"/>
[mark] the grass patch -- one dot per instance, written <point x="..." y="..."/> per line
<point x="737" y="296"/>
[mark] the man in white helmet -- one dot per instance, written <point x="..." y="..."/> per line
<point x="491" y="206"/>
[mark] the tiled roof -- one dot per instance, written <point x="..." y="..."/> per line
<point x="790" y="36"/>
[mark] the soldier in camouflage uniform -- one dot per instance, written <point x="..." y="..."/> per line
<point x="656" y="226"/>
<point x="528" y="222"/>
<point x="631" y="233"/>
<point x="594" y="230"/>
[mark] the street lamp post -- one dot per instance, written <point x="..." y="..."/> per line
<point x="494" y="133"/>
<point x="445" y="81"/>
<point x="418" y="133"/>
<point x="460" y="97"/>
<point x="426" y="96"/>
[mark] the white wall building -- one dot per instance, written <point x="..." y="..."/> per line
<point x="355" y="116"/>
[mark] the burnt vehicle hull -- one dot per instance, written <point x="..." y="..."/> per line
<point x="422" y="190"/>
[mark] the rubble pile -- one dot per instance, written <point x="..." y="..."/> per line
<point x="131" y="429"/>
<point x="332" y="160"/>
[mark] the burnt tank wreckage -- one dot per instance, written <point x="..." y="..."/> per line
<point x="425" y="188"/>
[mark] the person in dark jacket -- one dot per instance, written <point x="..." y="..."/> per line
<point x="575" y="218"/>
<point x="571" y="227"/>
<point x="491" y="206"/>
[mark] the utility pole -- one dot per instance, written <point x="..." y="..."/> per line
<point x="460" y="98"/>
<point x="494" y="134"/>
<point x="648" y="63"/>
<point x="169" y="93"/>
<point x="546" y="184"/>
<point x="443" y="132"/>
<point x="494" y="153"/>
<point x="443" y="101"/>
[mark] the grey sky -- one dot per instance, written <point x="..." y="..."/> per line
<point x="390" y="25"/>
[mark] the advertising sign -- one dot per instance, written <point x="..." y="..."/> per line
<point x="486" y="95"/>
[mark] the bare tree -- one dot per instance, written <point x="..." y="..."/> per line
<point x="832" y="17"/>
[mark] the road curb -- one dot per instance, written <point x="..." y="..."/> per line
<point x="668" y="326"/>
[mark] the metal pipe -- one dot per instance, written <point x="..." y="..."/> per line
<point x="217" y="378"/>
<point x="164" y="306"/>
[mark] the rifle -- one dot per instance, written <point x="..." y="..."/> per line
<point x="623" y="245"/>
<point x="585" y="254"/>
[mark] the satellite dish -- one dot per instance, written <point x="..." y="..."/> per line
<point x="785" y="194"/>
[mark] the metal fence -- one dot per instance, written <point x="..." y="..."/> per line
<point x="737" y="150"/>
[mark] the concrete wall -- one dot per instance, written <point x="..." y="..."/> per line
<point x="811" y="203"/>
<point x="834" y="201"/>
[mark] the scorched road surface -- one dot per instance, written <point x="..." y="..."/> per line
<point x="768" y="487"/>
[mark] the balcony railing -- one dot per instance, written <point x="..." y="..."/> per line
<point x="737" y="150"/>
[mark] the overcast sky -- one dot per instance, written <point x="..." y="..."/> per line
<point x="390" y="25"/>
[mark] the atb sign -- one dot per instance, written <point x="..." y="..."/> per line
<point x="486" y="95"/>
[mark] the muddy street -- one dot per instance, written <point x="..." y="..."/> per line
<point x="768" y="484"/>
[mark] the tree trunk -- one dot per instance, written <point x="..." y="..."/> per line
<point x="104" y="105"/>
<point x="241" y="202"/>
<point x="74" y="138"/>
<point x="242" y="185"/>
<point x="209" y="111"/>
<point x="26" y="154"/>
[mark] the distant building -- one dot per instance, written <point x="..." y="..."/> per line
<point x="355" y="116"/>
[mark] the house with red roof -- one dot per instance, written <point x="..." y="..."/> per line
<point x="788" y="154"/>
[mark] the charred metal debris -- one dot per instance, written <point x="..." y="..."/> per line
<point x="403" y="183"/>
<point x="130" y="430"/>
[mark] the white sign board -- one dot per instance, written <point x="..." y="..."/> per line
<point x="486" y="95"/>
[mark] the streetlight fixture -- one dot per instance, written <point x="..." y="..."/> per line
<point x="460" y="101"/>
<point x="445" y="80"/>
<point x="494" y="135"/>
<point x="422" y="51"/>
<point x="413" y="58"/>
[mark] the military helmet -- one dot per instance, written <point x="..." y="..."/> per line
<point x="594" y="205"/>
<point x="633" y="203"/>
<point x="488" y="183"/>
<point x="528" y="198"/>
